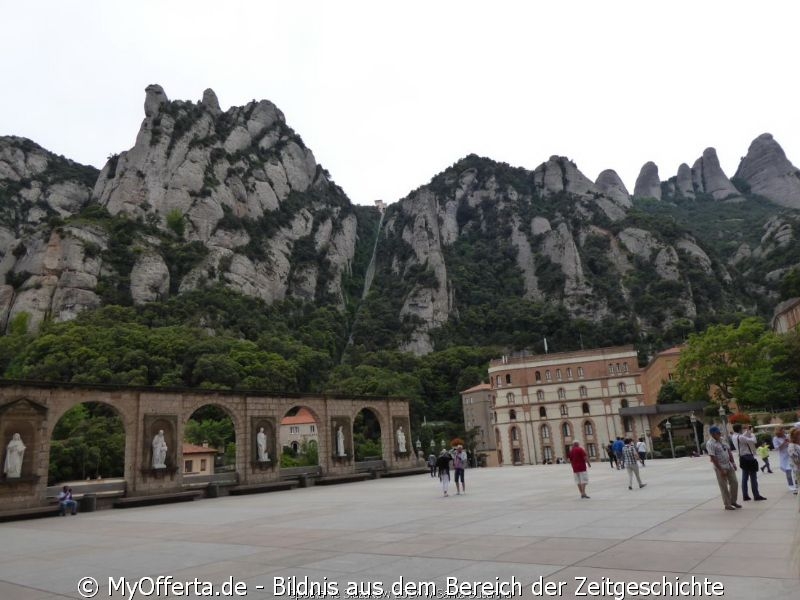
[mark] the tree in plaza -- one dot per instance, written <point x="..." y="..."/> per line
<point x="745" y="362"/>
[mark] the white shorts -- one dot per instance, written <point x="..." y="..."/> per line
<point x="582" y="477"/>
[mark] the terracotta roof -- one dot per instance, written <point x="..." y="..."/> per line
<point x="303" y="416"/>
<point x="195" y="449"/>
<point x="477" y="388"/>
<point x="673" y="350"/>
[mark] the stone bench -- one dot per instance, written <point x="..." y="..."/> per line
<point x="34" y="512"/>
<point x="258" y="488"/>
<point x="131" y="501"/>
<point x="406" y="472"/>
<point x="348" y="478"/>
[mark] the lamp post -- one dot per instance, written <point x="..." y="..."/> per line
<point x="693" y="419"/>
<point x="668" y="425"/>
<point x="419" y="450"/>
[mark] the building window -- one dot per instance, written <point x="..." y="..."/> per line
<point x="569" y="373"/>
<point x="508" y="377"/>
<point x="514" y="434"/>
<point x="592" y="450"/>
<point x="510" y="397"/>
<point x="497" y="437"/>
<point x="294" y="429"/>
<point x="566" y="430"/>
<point x="512" y="415"/>
<point x="548" y="454"/>
<point x="187" y="466"/>
<point x="624" y="367"/>
<point x="538" y="376"/>
<point x="623" y="403"/>
<point x="516" y="454"/>
<point x="542" y="412"/>
<point x="203" y="464"/>
<point x="312" y="428"/>
<point x="580" y="372"/>
<point x="610" y="369"/>
<point x="497" y="381"/>
<point x="547" y="375"/>
<point x="562" y="395"/>
<point x="583" y="391"/>
<point x="563" y="410"/>
<point x="627" y="424"/>
<point x="540" y="395"/>
<point x="587" y="428"/>
<point x="621" y="387"/>
<point x="669" y="376"/>
<point x="545" y="432"/>
<point x="558" y="374"/>
<point x="585" y="408"/>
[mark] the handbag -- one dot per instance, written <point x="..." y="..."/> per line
<point x="747" y="462"/>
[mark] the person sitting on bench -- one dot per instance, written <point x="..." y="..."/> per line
<point x="66" y="501"/>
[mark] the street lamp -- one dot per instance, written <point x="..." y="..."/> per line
<point x="693" y="419"/>
<point x="668" y="425"/>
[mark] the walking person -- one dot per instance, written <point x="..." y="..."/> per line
<point x="443" y="468"/>
<point x="432" y="464"/>
<point x="580" y="463"/>
<point x="630" y="459"/>
<point x="459" y="464"/>
<point x="745" y="443"/>
<point x="641" y="449"/>
<point x="724" y="468"/>
<point x="781" y="443"/>
<point x="612" y="458"/>
<point x="763" y="452"/>
<point x="618" y="445"/>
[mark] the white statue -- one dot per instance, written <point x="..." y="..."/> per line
<point x="261" y="441"/>
<point x="401" y="440"/>
<point x="340" y="442"/>
<point x="14" y="452"/>
<point x="159" y="451"/>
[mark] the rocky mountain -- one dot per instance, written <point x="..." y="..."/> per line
<point x="235" y="198"/>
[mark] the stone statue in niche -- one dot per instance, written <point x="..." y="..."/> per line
<point x="401" y="440"/>
<point x="159" y="450"/>
<point x="340" y="442"/>
<point x="14" y="454"/>
<point x="261" y="442"/>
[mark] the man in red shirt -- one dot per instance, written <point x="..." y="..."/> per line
<point x="580" y="462"/>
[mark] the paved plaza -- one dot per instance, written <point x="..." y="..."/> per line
<point x="514" y="527"/>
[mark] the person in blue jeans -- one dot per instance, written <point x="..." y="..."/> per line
<point x="66" y="501"/>
<point x="618" y="446"/>
<point x="459" y="464"/>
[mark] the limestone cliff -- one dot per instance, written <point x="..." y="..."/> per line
<point x="769" y="173"/>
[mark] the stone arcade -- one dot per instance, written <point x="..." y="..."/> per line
<point x="33" y="410"/>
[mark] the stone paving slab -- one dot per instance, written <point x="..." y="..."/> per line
<point x="525" y="523"/>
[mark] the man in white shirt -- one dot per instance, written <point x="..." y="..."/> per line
<point x="641" y="450"/>
<point x="745" y="443"/>
<point x="724" y="469"/>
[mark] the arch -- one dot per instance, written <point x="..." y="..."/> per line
<point x="213" y="426"/>
<point x="299" y="426"/>
<point x="367" y="435"/>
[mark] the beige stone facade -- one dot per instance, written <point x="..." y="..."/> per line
<point x="34" y="410"/>
<point x="542" y="403"/>
<point x="477" y="405"/>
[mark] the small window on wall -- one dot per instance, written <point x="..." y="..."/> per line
<point x="538" y="376"/>
<point x="610" y="369"/>
<point x="540" y="395"/>
<point x="188" y="466"/>
<point x="547" y="375"/>
<point x="592" y="450"/>
<point x="497" y="437"/>
<point x="624" y="367"/>
<point x="510" y="398"/>
<point x="548" y="453"/>
<point x="583" y="391"/>
<point x="294" y="429"/>
<point x="569" y="373"/>
<point x="558" y="374"/>
<point x="512" y="415"/>
<point x="545" y="432"/>
<point x="566" y="430"/>
<point x="498" y="381"/>
<point x="508" y="378"/>
<point x="542" y="412"/>
<point x="623" y="403"/>
<point x="203" y="464"/>
<point x="580" y="371"/>
<point x="563" y="410"/>
<point x="622" y="388"/>
<point x="627" y="424"/>
<point x="588" y="429"/>
<point x="562" y="395"/>
<point x="514" y="434"/>
<point x="312" y="428"/>
<point x="585" y="408"/>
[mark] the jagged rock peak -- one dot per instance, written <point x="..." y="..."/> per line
<point x="683" y="182"/>
<point x="561" y="174"/>
<point x="769" y="173"/>
<point x="648" y="184"/>
<point x="210" y="101"/>
<point x="154" y="99"/>
<point x="611" y="185"/>
<point x="708" y="177"/>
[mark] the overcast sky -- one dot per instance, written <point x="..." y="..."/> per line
<point x="388" y="94"/>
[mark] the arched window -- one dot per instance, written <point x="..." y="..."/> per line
<point x="512" y="415"/>
<point x="627" y="424"/>
<point x="580" y="371"/>
<point x="508" y="378"/>
<point x="510" y="397"/>
<point x="495" y="416"/>
<point x="514" y="434"/>
<point x="558" y="374"/>
<point x="563" y="410"/>
<point x="623" y="403"/>
<point x="545" y="432"/>
<point x="547" y="375"/>
<point x="583" y="391"/>
<point x="548" y="453"/>
<point x="569" y="373"/>
<point x="592" y="450"/>
<point x="621" y="387"/>
<point x="625" y="367"/>
<point x="538" y="376"/>
<point x="566" y="430"/>
<point x="610" y="369"/>
<point x="585" y="408"/>
<point x="588" y="429"/>
<point x="562" y="395"/>
<point x="540" y="395"/>
<point x="542" y="412"/>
